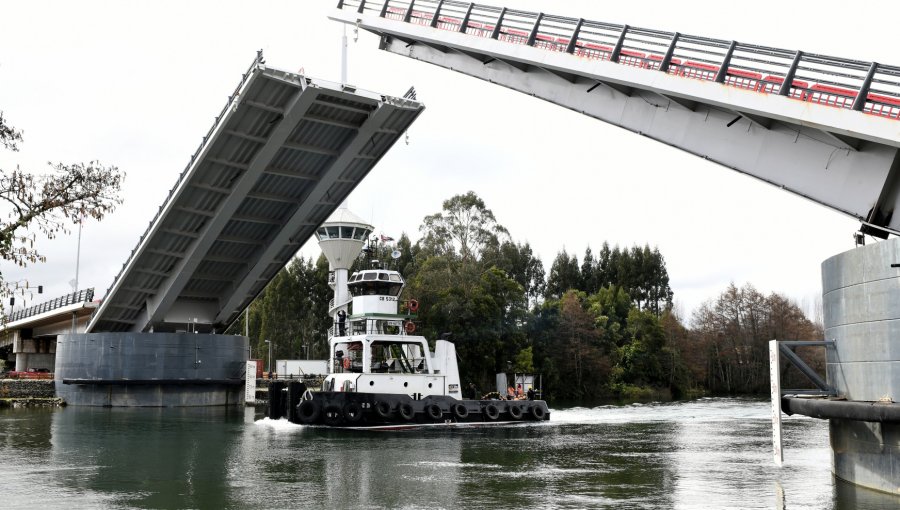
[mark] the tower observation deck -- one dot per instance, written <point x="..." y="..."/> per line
<point x="825" y="128"/>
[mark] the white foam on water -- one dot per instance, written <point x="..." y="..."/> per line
<point x="280" y="425"/>
<point x="702" y="410"/>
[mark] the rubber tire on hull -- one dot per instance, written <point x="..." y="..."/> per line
<point x="383" y="409"/>
<point x="515" y="411"/>
<point x="537" y="412"/>
<point x="460" y="411"/>
<point x="406" y="411"/>
<point x="332" y="415"/>
<point x="352" y="412"/>
<point x="491" y="412"/>
<point x="434" y="412"/>
<point x="308" y="411"/>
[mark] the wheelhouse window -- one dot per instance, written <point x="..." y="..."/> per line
<point x="398" y="357"/>
<point x="367" y="287"/>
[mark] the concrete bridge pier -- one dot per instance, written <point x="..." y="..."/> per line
<point x="34" y="352"/>
<point x="151" y="369"/>
<point x="861" y="297"/>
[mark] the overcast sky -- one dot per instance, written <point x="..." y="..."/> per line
<point x="137" y="84"/>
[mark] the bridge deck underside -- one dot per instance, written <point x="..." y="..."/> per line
<point x="842" y="158"/>
<point x="286" y="151"/>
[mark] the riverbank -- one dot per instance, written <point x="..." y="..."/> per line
<point x="29" y="393"/>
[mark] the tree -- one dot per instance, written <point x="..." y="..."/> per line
<point x="520" y="264"/>
<point x="46" y="202"/>
<point x="564" y="276"/>
<point x="589" y="272"/>
<point x="465" y="228"/>
<point x="292" y="312"/>
<point x="735" y="330"/>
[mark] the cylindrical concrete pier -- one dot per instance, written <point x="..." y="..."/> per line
<point x="861" y="298"/>
<point x="150" y="369"/>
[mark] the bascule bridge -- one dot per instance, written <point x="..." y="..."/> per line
<point x="281" y="156"/>
<point x="822" y="127"/>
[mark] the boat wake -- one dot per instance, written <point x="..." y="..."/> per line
<point x="279" y="425"/>
<point x="702" y="410"/>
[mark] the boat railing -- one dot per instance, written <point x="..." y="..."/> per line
<point x="368" y="326"/>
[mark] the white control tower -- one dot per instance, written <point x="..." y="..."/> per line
<point x="341" y="238"/>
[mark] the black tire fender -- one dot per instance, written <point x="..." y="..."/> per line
<point x="352" y="412"/>
<point x="537" y="412"/>
<point x="308" y="411"/>
<point x="332" y="415"/>
<point x="460" y="411"/>
<point x="491" y="412"/>
<point x="434" y="411"/>
<point x="406" y="411"/>
<point x="383" y="409"/>
<point x="515" y="411"/>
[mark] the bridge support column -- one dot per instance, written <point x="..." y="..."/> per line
<point x="34" y="352"/>
<point x="150" y="369"/>
<point x="861" y="297"/>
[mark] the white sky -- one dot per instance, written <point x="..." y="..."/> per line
<point x="137" y="84"/>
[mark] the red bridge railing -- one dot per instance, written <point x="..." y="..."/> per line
<point x="868" y="87"/>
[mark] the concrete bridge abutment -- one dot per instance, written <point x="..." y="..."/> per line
<point x="861" y="298"/>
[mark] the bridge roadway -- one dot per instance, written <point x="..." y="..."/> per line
<point x="280" y="158"/>
<point x="831" y="136"/>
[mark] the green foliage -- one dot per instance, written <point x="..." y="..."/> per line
<point x="524" y="361"/>
<point x="464" y="228"/>
<point x="291" y="312"/>
<point x="602" y="329"/>
<point x="564" y="276"/>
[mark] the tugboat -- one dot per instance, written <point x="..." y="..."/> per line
<point x="382" y="375"/>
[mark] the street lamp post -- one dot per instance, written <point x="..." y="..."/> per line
<point x="269" y="364"/>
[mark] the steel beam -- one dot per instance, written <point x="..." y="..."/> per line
<point x="791" y="154"/>
<point x="318" y="193"/>
<point x="159" y="305"/>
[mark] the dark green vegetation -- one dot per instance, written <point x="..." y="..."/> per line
<point x="603" y="328"/>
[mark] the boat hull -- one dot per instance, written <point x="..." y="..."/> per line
<point x="392" y="411"/>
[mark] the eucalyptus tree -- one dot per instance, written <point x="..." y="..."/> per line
<point x="465" y="228"/>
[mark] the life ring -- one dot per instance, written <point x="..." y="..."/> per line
<point x="491" y="412"/>
<point x="346" y="363"/>
<point x="332" y="415"/>
<point x="352" y="412"/>
<point x="537" y="412"/>
<point x="308" y="411"/>
<point x="460" y="411"/>
<point x="413" y="305"/>
<point x="515" y="412"/>
<point x="406" y="411"/>
<point x="434" y="412"/>
<point x="383" y="409"/>
<point x="410" y="327"/>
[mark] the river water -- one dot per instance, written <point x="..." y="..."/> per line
<point x="708" y="453"/>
